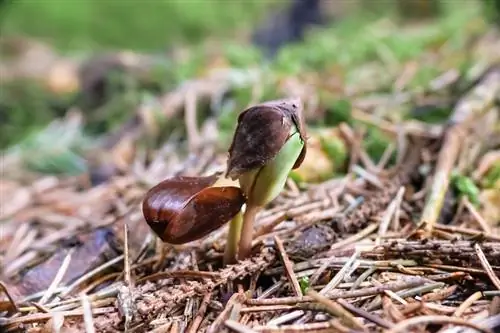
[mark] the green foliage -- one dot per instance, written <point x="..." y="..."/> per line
<point x="363" y="38"/>
<point x="304" y="284"/>
<point x="466" y="187"/>
<point x="145" y="25"/>
<point x="376" y="142"/>
<point x="338" y="112"/>
<point x="492" y="10"/>
<point x="492" y="177"/>
<point x="57" y="149"/>
<point x="26" y="106"/>
<point x="296" y="177"/>
<point x="241" y="55"/>
<point x="336" y="150"/>
<point x="431" y="114"/>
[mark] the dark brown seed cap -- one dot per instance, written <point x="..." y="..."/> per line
<point x="261" y="132"/>
<point x="183" y="209"/>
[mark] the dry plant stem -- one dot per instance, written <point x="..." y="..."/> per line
<point x="337" y="310"/>
<point x="362" y="313"/>
<point x="190" y="119"/>
<point x="37" y="317"/>
<point x="9" y="297"/>
<point x="288" y="267"/>
<point x="233" y="237"/>
<point x="201" y="313"/>
<point x="57" y="279"/>
<point x="479" y="219"/>
<point x="467" y="303"/>
<point x="469" y="108"/>
<point x="446" y="161"/>
<point x="87" y="314"/>
<point x="245" y="246"/>
<point x="486" y="265"/>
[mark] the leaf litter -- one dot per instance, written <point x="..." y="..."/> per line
<point x="390" y="245"/>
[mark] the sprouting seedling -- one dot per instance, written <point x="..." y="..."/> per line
<point x="269" y="141"/>
<point x="183" y="209"/>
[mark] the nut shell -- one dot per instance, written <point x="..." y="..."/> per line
<point x="261" y="132"/>
<point x="183" y="209"/>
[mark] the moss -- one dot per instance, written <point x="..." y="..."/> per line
<point x="430" y="113"/>
<point x="26" y="106"/>
<point x="492" y="177"/>
<point x="340" y="111"/>
<point x="376" y="142"/>
<point x="336" y="150"/>
<point x="466" y="187"/>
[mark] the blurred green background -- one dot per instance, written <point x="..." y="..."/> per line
<point x="142" y="25"/>
<point x="206" y="32"/>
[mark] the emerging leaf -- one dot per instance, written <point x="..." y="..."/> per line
<point x="265" y="184"/>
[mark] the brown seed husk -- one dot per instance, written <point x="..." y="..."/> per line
<point x="261" y="132"/>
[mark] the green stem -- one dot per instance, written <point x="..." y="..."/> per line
<point x="233" y="238"/>
<point x="246" y="236"/>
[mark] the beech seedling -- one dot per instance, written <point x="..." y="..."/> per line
<point x="269" y="141"/>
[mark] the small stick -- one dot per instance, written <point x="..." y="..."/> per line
<point x="479" y="219"/>
<point x="37" y="317"/>
<point x="440" y="294"/>
<point x="201" y="312"/>
<point x="337" y="310"/>
<point x="58" y="278"/>
<point x="363" y="277"/>
<point x="314" y="278"/>
<point x="286" y="318"/>
<point x="467" y="303"/>
<point x="190" y="119"/>
<point x="126" y="260"/>
<point x="126" y="297"/>
<point x="235" y="298"/>
<point x="388" y="215"/>
<point x="288" y="267"/>
<point x="354" y="238"/>
<point x="372" y="179"/>
<point x="327" y="326"/>
<point x="468" y="231"/>
<point x="268" y="308"/>
<point x="362" y="313"/>
<point x="394" y="286"/>
<point x="180" y="274"/>
<point x="340" y="275"/>
<point x="486" y="265"/>
<point x="90" y="274"/>
<point x="11" y="300"/>
<point x="87" y="314"/>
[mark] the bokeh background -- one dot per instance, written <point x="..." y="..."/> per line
<point x="102" y="59"/>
